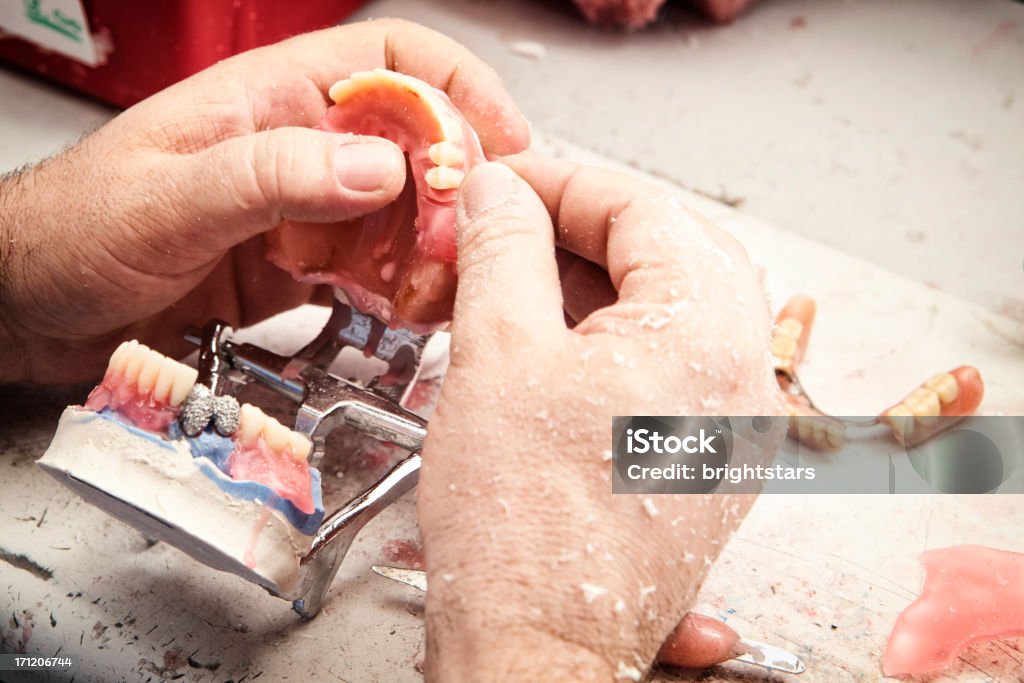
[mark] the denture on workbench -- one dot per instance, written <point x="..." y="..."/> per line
<point x="398" y="263"/>
<point x="789" y="343"/>
<point x="971" y="593"/>
<point x="931" y="408"/>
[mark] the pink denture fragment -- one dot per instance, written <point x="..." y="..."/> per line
<point x="403" y="553"/>
<point x="971" y="593"/>
<point x="285" y="475"/>
<point x="124" y="398"/>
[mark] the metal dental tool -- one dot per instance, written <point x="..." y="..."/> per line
<point x="326" y="403"/>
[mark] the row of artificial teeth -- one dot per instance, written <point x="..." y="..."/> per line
<point x="164" y="379"/>
<point x="451" y="128"/>
<point x="253" y="423"/>
<point x="785" y="340"/>
<point x="925" y="403"/>
<point x="817" y="430"/>
<point x="447" y="154"/>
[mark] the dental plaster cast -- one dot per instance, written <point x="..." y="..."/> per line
<point x="251" y="494"/>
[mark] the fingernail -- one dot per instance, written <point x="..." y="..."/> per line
<point x="489" y="185"/>
<point x="365" y="167"/>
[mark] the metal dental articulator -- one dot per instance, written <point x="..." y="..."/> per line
<point x="326" y="403"/>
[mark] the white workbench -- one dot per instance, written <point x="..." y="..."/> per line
<point x="843" y="138"/>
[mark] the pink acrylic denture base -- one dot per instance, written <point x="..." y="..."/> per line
<point x="971" y="593"/>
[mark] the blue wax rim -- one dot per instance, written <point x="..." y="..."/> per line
<point x="210" y="453"/>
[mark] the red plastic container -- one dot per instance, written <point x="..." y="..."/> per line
<point x="150" y="45"/>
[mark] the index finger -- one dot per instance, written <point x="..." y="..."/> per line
<point x="288" y="81"/>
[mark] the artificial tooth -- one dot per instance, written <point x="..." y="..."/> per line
<point x="901" y="418"/>
<point x="341" y="90"/>
<point x="444" y="178"/>
<point x="119" y="359"/>
<point x="804" y="428"/>
<point x="818" y="428"/>
<point x="899" y="411"/>
<point x="184" y="379"/>
<point x="150" y="371"/>
<point x="300" y="446"/>
<point x="945" y="386"/>
<point x="924" y="403"/>
<point x="835" y="435"/>
<point x="135" y="363"/>
<point x="446" y="154"/>
<point x="276" y="435"/>
<point x="165" y="379"/>
<point x="791" y="327"/>
<point x="783" y="346"/>
<point x="251" y="421"/>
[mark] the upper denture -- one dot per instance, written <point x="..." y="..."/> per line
<point x="397" y="263"/>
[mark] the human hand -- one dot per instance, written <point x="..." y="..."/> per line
<point x="152" y="223"/>
<point x="536" y="571"/>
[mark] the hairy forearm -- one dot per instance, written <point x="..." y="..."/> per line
<point x="14" y="361"/>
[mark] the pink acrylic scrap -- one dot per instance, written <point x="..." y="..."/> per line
<point x="971" y="593"/>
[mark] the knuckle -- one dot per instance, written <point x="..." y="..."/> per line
<point x="261" y="173"/>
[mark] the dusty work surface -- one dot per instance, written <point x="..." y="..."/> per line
<point x="907" y="156"/>
<point x="824" y="576"/>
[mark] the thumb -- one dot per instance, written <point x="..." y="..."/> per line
<point x="247" y="184"/>
<point x="698" y="642"/>
<point x="507" y="270"/>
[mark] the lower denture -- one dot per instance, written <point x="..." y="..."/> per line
<point x="268" y="453"/>
<point x="143" y="387"/>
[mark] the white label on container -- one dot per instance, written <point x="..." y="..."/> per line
<point x="57" y="25"/>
